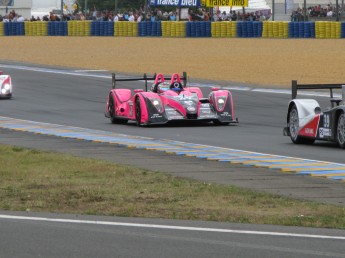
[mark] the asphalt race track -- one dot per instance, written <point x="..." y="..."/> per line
<point x="77" y="98"/>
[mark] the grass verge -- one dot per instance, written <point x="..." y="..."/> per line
<point x="34" y="180"/>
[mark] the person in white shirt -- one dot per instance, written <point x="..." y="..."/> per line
<point x="330" y="13"/>
<point x="131" y="16"/>
<point x="20" y="18"/>
<point x="116" y="17"/>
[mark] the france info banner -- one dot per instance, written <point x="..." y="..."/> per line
<point x="6" y="2"/>
<point x="181" y="3"/>
<point x="213" y="3"/>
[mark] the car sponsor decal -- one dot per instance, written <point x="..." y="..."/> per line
<point x="310" y="129"/>
<point x="325" y="132"/>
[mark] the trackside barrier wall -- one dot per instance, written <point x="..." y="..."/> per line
<point x="301" y="30"/>
<point x="225" y="29"/>
<point x="78" y="28"/>
<point x="150" y="29"/>
<point x="173" y="29"/>
<point x="57" y="28"/>
<point x="249" y="29"/>
<point x="198" y="29"/>
<point x="36" y="28"/>
<point x="272" y="29"/>
<point x="126" y="29"/>
<point x="329" y="30"/>
<point x="14" y="29"/>
<point x="102" y="28"/>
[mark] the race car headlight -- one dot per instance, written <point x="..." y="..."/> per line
<point x="5" y="89"/>
<point x="7" y="86"/>
<point x="220" y="103"/>
<point x="157" y="104"/>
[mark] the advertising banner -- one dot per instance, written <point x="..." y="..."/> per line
<point x="6" y="2"/>
<point x="214" y="3"/>
<point x="179" y="3"/>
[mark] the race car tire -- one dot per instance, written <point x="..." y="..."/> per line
<point x="111" y="111"/>
<point x="340" y="137"/>
<point x="138" y="112"/>
<point x="294" y="126"/>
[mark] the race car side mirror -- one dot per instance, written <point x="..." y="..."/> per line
<point x="1" y="72"/>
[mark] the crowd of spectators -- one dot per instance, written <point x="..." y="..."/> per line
<point x="141" y="14"/>
<point x="12" y="16"/>
<point x="316" y="12"/>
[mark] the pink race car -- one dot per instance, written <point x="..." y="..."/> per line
<point x="168" y="100"/>
<point x="5" y="86"/>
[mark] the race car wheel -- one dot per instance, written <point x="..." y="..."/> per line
<point x="111" y="111"/>
<point x="341" y="131"/>
<point x="138" y="112"/>
<point x="294" y="128"/>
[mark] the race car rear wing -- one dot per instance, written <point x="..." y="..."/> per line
<point x="295" y="87"/>
<point x="145" y="78"/>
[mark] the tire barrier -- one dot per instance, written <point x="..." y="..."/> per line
<point x="14" y="29"/>
<point x="57" y="28"/>
<point x="198" y="29"/>
<point x="102" y="28"/>
<point x="342" y="27"/>
<point x="150" y="29"/>
<point x="173" y="29"/>
<point x="78" y="28"/>
<point x="36" y="28"/>
<point x="249" y="29"/>
<point x="328" y="30"/>
<point x="126" y="29"/>
<point x="275" y="29"/>
<point x="224" y="29"/>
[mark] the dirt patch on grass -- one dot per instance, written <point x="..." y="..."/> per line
<point x="269" y="62"/>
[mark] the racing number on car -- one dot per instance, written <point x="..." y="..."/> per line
<point x="326" y="120"/>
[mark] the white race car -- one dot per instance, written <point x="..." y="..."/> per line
<point x="5" y="86"/>
<point x="306" y="122"/>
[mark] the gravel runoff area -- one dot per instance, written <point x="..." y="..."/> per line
<point x="268" y="62"/>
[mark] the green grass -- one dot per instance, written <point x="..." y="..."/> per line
<point x="32" y="180"/>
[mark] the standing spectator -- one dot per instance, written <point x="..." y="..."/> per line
<point x="94" y="13"/>
<point x="234" y="16"/>
<point x="330" y="12"/>
<point x="6" y="18"/>
<point x="20" y="18"/>
<point x="131" y="17"/>
<point x="116" y="17"/>
<point x="262" y="17"/>
<point x="172" y="16"/>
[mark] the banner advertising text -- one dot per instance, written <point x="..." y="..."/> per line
<point x="181" y="3"/>
<point x="214" y="3"/>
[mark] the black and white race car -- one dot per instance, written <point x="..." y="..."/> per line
<point x="306" y="122"/>
<point x="5" y="86"/>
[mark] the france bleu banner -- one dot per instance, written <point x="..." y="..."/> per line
<point x="181" y="3"/>
<point x="6" y="2"/>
